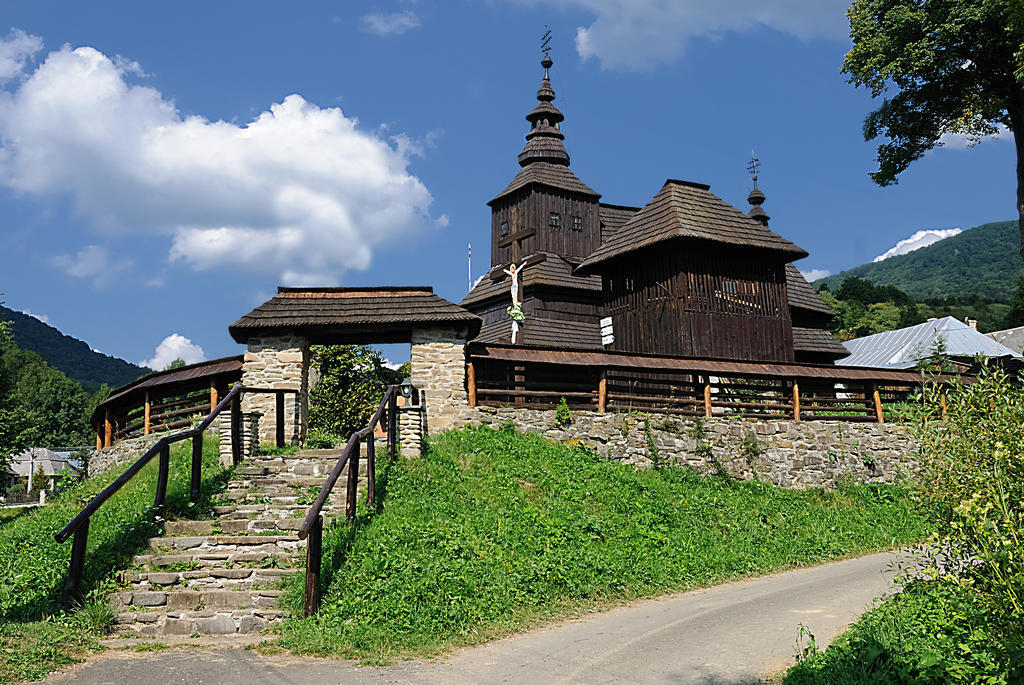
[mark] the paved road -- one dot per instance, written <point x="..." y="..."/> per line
<point x="728" y="634"/>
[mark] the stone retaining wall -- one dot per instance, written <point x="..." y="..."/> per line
<point x="791" y="454"/>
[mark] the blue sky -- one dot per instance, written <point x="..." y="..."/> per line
<point x="164" y="167"/>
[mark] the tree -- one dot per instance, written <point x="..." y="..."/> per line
<point x="176" y="364"/>
<point x="1015" y="317"/>
<point x="351" y="383"/>
<point x="943" y="66"/>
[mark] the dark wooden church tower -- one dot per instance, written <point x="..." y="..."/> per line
<point x="550" y="220"/>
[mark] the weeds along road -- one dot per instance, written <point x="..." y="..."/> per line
<point x="734" y="633"/>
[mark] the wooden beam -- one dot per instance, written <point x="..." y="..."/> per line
<point x="879" y="414"/>
<point x="602" y="392"/>
<point x="796" y="401"/>
<point x="99" y="441"/>
<point x="108" y="430"/>
<point x="149" y="409"/>
<point x="471" y="383"/>
<point x="213" y="395"/>
<point x="942" y="401"/>
<point x="707" y="397"/>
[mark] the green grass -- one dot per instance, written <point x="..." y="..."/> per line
<point x="932" y="633"/>
<point x="34" y="566"/>
<point x="495" y="531"/>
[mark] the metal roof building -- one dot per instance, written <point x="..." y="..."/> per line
<point x="903" y="348"/>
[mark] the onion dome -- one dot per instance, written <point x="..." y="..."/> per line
<point x="756" y="199"/>
<point x="544" y="141"/>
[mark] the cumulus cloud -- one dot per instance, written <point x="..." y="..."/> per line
<point x="814" y="274"/>
<point x="394" y="24"/>
<point x="959" y="141"/>
<point x="174" y="346"/>
<point x="642" y="34"/>
<point x="92" y="262"/>
<point x="15" y="51"/>
<point x="917" y="241"/>
<point x="300" y="191"/>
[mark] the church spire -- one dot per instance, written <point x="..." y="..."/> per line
<point x="756" y="197"/>
<point x="544" y="141"/>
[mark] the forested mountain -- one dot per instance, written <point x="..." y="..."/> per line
<point x="980" y="263"/>
<point x="70" y="355"/>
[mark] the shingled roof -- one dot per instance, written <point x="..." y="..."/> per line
<point x="801" y="295"/>
<point x="682" y="209"/>
<point x="537" y="332"/>
<point x="340" y="315"/>
<point x="817" y="340"/>
<point x="614" y="217"/>
<point x="542" y="268"/>
<point x="548" y="174"/>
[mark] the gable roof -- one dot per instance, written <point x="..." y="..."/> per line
<point x="903" y="348"/>
<point x="542" y="268"/>
<point x="547" y="174"/>
<point x="1011" y="337"/>
<point x="682" y="209"/>
<point x="801" y="294"/>
<point x="614" y="217"/>
<point x="39" y="458"/>
<point x="387" y="311"/>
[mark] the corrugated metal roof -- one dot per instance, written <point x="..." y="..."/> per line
<point x="37" y="458"/>
<point x="903" y="348"/>
<point x="1011" y="337"/>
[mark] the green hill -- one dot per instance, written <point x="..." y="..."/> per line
<point x="982" y="261"/>
<point x="72" y="356"/>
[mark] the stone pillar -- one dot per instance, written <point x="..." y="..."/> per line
<point x="275" y="362"/>
<point x="410" y="430"/>
<point x="438" y="369"/>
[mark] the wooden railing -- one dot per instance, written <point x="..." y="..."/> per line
<point x="79" y="525"/>
<point x="794" y="393"/>
<point x="313" y="527"/>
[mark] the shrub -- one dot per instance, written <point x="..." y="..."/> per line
<point x="562" y="415"/>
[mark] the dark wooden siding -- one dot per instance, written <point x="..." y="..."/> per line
<point x="715" y="303"/>
<point x="528" y="215"/>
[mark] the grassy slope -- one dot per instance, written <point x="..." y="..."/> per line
<point x="980" y="261"/>
<point x="36" y="636"/>
<point x="493" y="531"/>
<point x="930" y="634"/>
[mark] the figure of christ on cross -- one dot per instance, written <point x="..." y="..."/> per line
<point x="515" y="311"/>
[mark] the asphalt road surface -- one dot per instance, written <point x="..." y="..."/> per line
<point x="730" y="634"/>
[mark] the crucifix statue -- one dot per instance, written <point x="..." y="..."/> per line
<point x="515" y="311"/>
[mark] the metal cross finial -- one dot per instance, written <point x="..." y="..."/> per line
<point x="753" y="166"/>
<point x="545" y="41"/>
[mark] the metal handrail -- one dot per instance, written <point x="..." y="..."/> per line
<point x="312" y="526"/>
<point x="79" y="525"/>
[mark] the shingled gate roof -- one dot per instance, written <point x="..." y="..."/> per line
<point x="801" y="295"/>
<point x="542" y="268"/>
<point x="682" y="209"/>
<point x="817" y="340"/>
<point x="352" y="315"/>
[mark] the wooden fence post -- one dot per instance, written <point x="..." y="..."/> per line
<point x="877" y="398"/>
<point x="214" y="399"/>
<point x="279" y="416"/>
<point x="161" y="481"/>
<point x="353" y="482"/>
<point x="197" y="466"/>
<point x="74" y="584"/>
<point x="942" y="401"/>
<point x="314" y="550"/>
<point x="796" y="401"/>
<point x="99" y="441"/>
<point x="148" y="413"/>
<point x="707" y="397"/>
<point x="471" y="383"/>
<point x="602" y="392"/>
<point x="108" y="430"/>
<point x="371" y="470"/>
<point x="236" y="429"/>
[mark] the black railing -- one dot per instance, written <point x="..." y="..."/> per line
<point x="79" y="526"/>
<point x="313" y="527"/>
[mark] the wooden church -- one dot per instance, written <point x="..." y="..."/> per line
<point x="685" y="275"/>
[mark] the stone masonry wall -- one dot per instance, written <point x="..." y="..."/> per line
<point x="438" y="369"/>
<point x="275" y="362"/>
<point x="791" y="454"/>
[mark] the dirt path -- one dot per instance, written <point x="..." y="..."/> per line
<point x="733" y="633"/>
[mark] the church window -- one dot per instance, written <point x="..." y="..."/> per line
<point x="504" y="229"/>
<point x="554" y="219"/>
<point x="577" y="223"/>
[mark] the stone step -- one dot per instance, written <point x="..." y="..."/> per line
<point x="236" y="526"/>
<point x="241" y="578"/>
<point x="238" y="511"/>
<point x="214" y="559"/>
<point x="337" y="498"/>
<point x="163" y="621"/>
<point x="194" y="600"/>
<point x="207" y="545"/>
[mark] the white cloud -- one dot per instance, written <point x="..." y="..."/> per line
<point x="42" y="317"/>
<point x="174" y="346"/>
<point x="814" y="274"/>
<point x="917" y="241"/>
<point x="394" y="24"/>
<point x="959" y="141"/>
<point x="91" y="262"/>
<point x="641" y="34"/>
<point x="15" y="51"/>
<point x="299" y="191"/>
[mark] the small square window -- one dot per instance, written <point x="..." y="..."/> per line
<point x="504" y="229"/>
<point x="554" y="219"/>
<point x="577" y="223"/>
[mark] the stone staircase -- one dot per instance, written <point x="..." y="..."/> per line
<point x="224" y="575"/>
